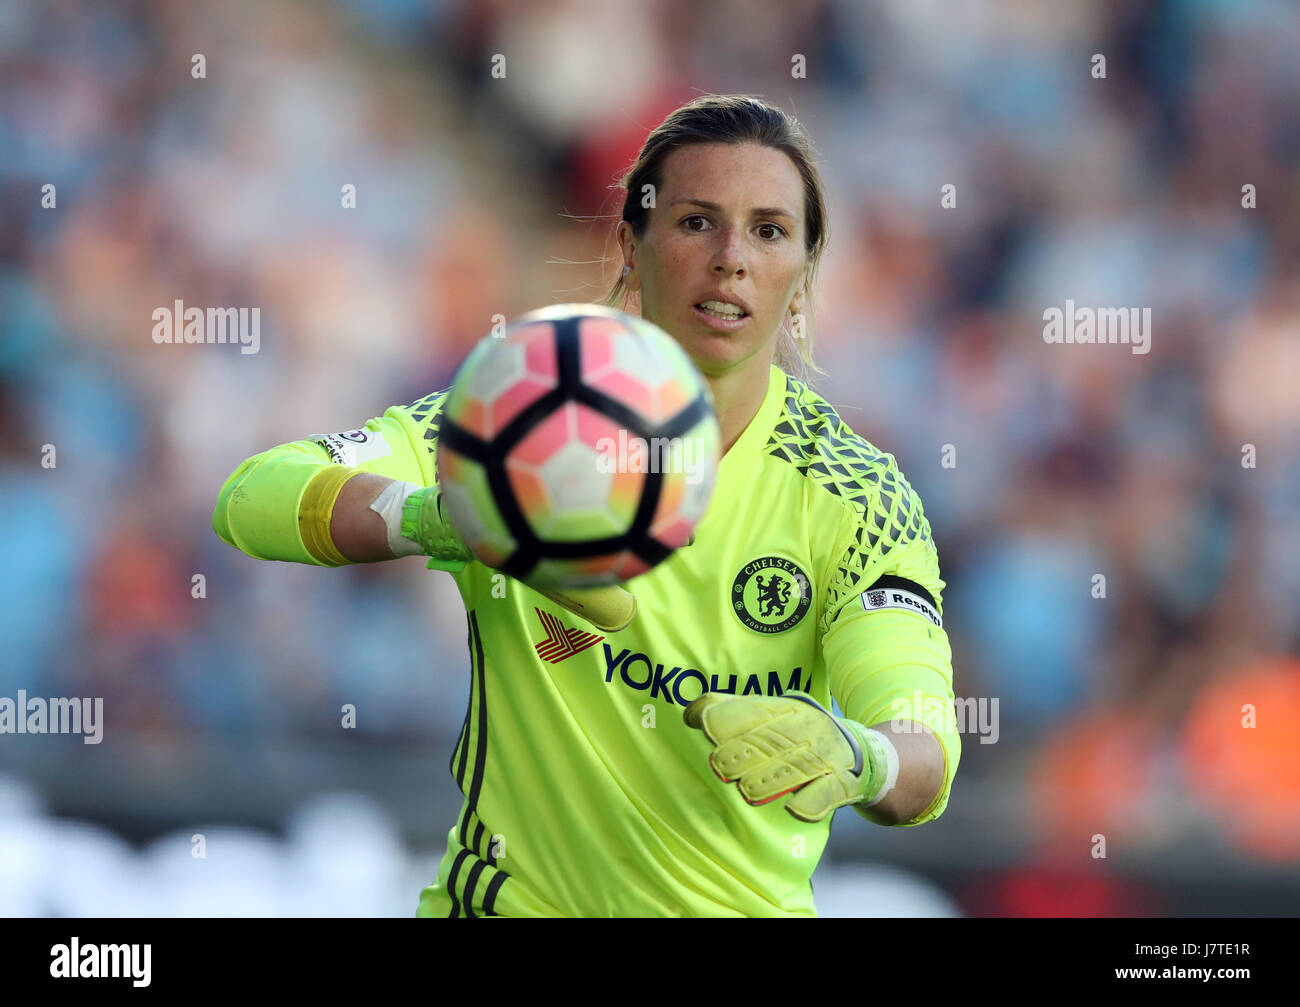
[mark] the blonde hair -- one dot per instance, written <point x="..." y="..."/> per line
<point x="735" y="118"/>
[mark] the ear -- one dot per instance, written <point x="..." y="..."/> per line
<point x="798" y="301"/>
<point x="627" y="246"/>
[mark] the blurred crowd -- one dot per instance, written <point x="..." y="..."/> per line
<point x="337" y="855"/>
<point x="1174" y="475"/>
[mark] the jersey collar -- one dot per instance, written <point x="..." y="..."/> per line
<point x="740" y="462"/>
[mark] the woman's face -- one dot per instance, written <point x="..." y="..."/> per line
<point x="727" y="225"/>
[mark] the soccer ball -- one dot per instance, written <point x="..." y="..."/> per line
<point x="578" y="449"/>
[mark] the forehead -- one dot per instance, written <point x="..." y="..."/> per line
<point x="740" y="175"/>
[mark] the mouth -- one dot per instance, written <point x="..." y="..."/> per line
<point x="720" y="315"/>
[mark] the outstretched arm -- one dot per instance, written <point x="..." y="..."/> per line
<point x="300" y="503"/>
<point x="275" y="504"/>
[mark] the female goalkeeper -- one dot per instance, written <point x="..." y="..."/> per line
<point x="684" y="763"/>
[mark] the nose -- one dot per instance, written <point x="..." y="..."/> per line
<point x="730" y="257"/>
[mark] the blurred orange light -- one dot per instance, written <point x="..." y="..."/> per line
<point x="1250" y="775"/>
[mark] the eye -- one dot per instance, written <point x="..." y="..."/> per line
<point x="780" y="231"/>
<point x="694" y="216"/>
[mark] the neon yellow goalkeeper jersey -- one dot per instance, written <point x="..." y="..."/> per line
<point x="585" y="792"/>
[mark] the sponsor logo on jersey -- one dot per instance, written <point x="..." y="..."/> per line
<point x="678" y="685"/>
<point x="893" y="597"/>
<point x="352" y="447"/>
<point x="562" y="641"/>
<point x="771" y="594"/>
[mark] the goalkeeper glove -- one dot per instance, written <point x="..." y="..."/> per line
<point x="775" y="745"/>
<point x="424" y="524"/>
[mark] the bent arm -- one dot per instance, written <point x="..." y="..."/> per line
<point x="892" y="670"/>
<point x="920" y="774"/>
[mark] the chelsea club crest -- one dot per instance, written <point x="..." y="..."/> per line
<point x="771" y="594"/>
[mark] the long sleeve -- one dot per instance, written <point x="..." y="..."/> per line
<point x="257" y="509"/>
<point x="894" y="665"/>
<point x="886" y="653"/>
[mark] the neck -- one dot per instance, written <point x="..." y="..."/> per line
<point x="737" y="396"/>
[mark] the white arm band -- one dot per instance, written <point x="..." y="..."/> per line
<point x="388" y="505"/>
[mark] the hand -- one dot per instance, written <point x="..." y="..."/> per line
<point x="423" y="522"/>
<point x="775" y="745"/>
<point x="609" y="608"/>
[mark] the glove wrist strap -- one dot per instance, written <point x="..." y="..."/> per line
<point x="388" y="505"/>
<point x="422" y="521"/>
<point x="881" y="771"/>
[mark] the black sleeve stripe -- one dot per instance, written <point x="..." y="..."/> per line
<point x="480" y="745"/>
<point x="903" y="584"/>
<point x="468" y="875"/>
<point x="490" y="899"/>
<point x="470" y="884"/>
<point x="451" y="883"/>
<point x="462" y="744"/>
<point x="480" y="750"/>
<point x="470" y="868"/>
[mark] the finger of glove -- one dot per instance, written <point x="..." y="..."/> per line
<point x="811" y="754"/>
<point x="779" y="775"/>
<point x="818" y="799"/>
<point x="795" y="725"/>
<point x="696" y="709"/>
<point x="610" y="608"/>
<point x="782" y="738"/>
<point x="789" y="766"/>
<point x="724" y="717"/>
<point x="730" y="717"/>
